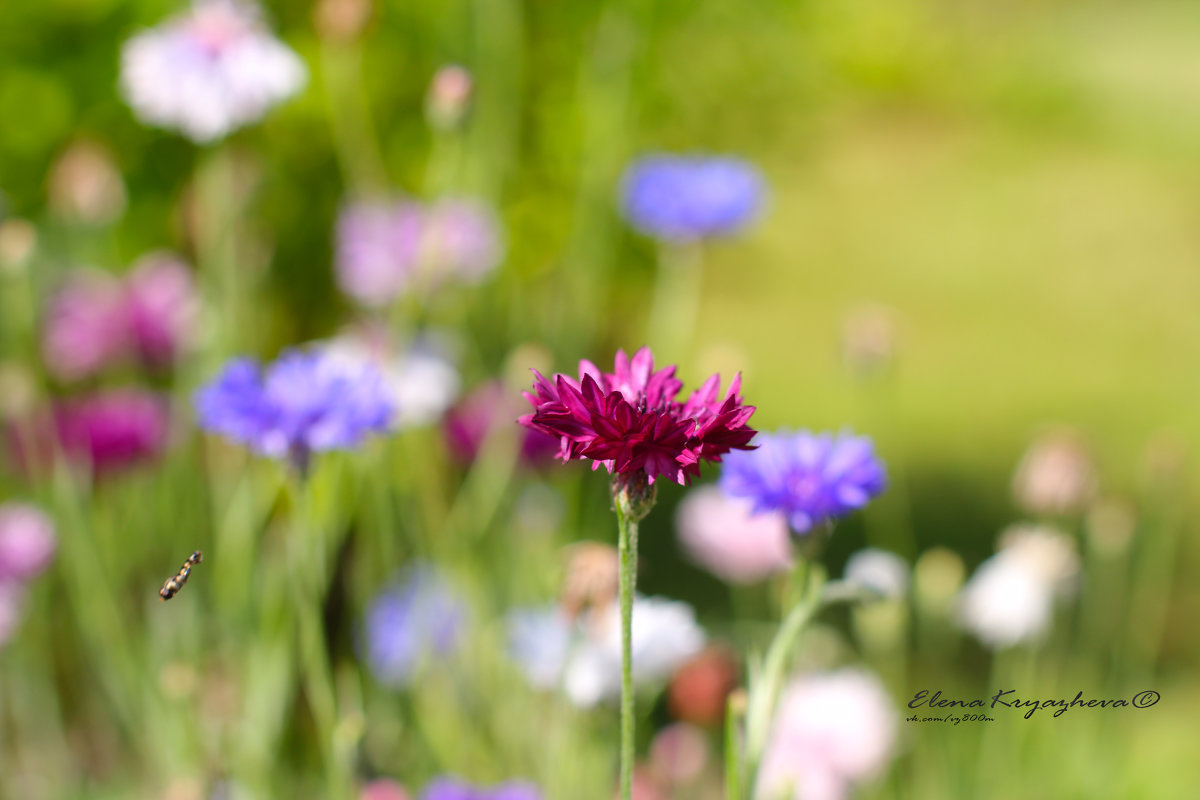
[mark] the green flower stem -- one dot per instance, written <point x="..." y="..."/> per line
<point x="355" y="143"/>
<point x="676" y="301"/>
<point x="102" y="624"/>
<point x="633" y="497"/>
<point x="308" y="569"/>
<point x="735" y="712"/>
<point x="627" y="533"/>
<point x="765" y="692"/>
<point x="218" y="208"/>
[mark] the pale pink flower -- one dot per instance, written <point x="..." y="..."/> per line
<point x="84" y="329"/>
<point x="382" y="789"/>
<point x="679" y="753"/>
<point x="831" y="732"/>
<point x="723" y="535"/>
<point x="95" y="320"/>
<point x="27" y="541"/>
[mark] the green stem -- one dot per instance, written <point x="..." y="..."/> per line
<point x="309" y="579"/>
<point x="355" y="143"/>
<point x="627" y="532"/>
<point x="676" y="301"/>
<point x="766" y="689"/>
<point x="735" y="711"/>
<point x="219" y="205"/>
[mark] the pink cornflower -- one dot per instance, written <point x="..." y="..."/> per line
<point x="27" y="541"/>
<point x="95" y="321"/>
<point x="832" y="732"/>
<point x="631" y="422"/>
<point x="725" y="536"/>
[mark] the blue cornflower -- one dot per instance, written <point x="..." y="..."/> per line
<point x="303" y="403"/>
<point x="812" y="478"/>
<point x="691" y="197"/>
<point x="455" y="789"/>
<point x="418" y="616"/>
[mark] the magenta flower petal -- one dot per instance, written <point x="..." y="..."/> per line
<point x="629" y="420"/>
<point x="114" y="429"/>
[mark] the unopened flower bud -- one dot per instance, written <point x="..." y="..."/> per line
<point x="592" y="578"/>
<point x="85" y="186"/>
<point x="18" y="239"/>
<point x="449" y="97"/>
<point x="938" y="574"/>
<point x="869" y="340"/>
<point x="1055" y="476"/>
<point x="633" y="494"/>
<point x="18" y="391"/>
<point x="342" y="20"/>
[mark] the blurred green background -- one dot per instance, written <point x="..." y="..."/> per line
<point x="1017" y="183"/>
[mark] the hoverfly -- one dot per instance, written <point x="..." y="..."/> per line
<point x="174" y="583"/>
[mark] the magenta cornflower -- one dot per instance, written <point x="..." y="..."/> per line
<point x="631" y="422"/>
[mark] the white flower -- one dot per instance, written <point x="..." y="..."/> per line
<point x="831" y="731"/>
<point x="1010" y="598"/>
<point x="1004" y="603"/>
<point x="208" y="71"/>
<point x="422" y="381"/>
<point x="1046" y="551"/>
<point x="584" y="658"/>
<point x="878" y="570"/>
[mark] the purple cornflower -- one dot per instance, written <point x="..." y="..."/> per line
<point x="84" y="328"/>
<point x="304" y="402"/>
<point x="454" y="789"/>
<point x="811" y="478"/>
<point x="386" y="249"/>
<point x="209" y="70"/>
<point x="377" y="249"/>
<point x="682" y="198"/>
<point x="27" y="542"/>
<point x="113" y="429"/>
<point x="418" y="616"/>
<point x="630" y="421"/>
